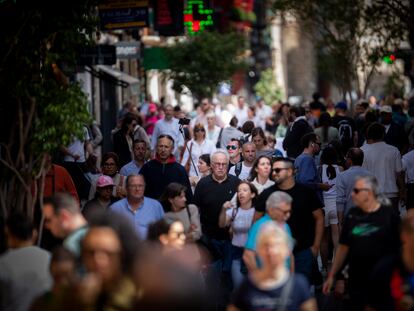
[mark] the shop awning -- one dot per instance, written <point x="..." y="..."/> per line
<point x="117" y="74"/>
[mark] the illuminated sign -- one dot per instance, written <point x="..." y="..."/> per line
<point x="196" y="16"/>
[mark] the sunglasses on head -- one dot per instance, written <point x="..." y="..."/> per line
<point x="232" y="147"/>
<point x="199" y="130"/>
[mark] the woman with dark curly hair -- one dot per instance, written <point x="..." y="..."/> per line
<point x="110" y="167"/>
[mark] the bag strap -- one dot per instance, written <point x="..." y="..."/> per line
<point x="189" y="155"/>
<point x="284" y="297"/>
<point x="234" y="214"/>
<point x="238" y="168"/>
<point x="218" y="143"/>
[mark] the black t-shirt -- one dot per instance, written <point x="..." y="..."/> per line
<point x="389" y="283"/>
<point x="250" y="297"/>
<point x="301" y="221"/>
<point x="369" y="237"/>
<point x="209" y="196"/>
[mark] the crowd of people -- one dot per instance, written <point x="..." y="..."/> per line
<point x="286" y="207"/>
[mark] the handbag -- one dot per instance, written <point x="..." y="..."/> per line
<point x="187" y="164"/>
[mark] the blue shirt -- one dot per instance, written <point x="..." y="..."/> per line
<point x="345" y="184"/>
<point x="150" y="211"/>
<point x="307" y="172"/>
<point x="254" y="232"/>
<point x="130" y="168"/>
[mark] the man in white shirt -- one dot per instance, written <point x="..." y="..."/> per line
<point x="384" y="161"/>
<point x="168" y="126"/>
<point x="408" y="166"/>
<point x="242" y="169"/>
<point x="241" y="111"/>
<point x="263" y="111"/>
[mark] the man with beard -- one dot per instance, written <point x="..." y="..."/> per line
<point x="306" y="220"/>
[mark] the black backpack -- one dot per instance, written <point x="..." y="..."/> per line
<point x="345" y="132"/>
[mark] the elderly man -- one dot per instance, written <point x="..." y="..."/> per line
<point x="210" y="194"/>
<point x="140" y="210"/>
<point x="306" y="219"/>
<point x="278" y="209"/>
<point x="163" y="170"/>
<point x="370" y="233"/>
<point x="63" y="217"/>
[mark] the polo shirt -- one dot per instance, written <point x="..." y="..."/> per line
<point x="130" y="168"/>
<point x="150" y="211"/>
<point x="209" y="196"/>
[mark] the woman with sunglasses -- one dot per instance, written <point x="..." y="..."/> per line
<point x="194" y="148"/>
<point x="260" y="173"/>
<point x="239" y="219"/>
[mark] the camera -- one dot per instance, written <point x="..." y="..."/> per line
<point x="184" y="121"/>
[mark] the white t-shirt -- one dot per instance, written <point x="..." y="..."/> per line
<point x="331" y="193"/>
<point x="207" y="146"/>
<point x="241" y="224"/>
<point x="77" y="147"/>
<point x="245" y="171"/>
<point x="241" y="115"/>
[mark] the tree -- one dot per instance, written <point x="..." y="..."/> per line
<point x="267" y="87"/>
<point x="41" y="108"/>
<point x="202" y="62"/>
<point x="351" y="36"/>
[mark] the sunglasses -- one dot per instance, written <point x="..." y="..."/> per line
<point x="285" y="212"/>
<point x="358" y="190"/>
<point x="278" y="170"/>
<point x="231" y="147"/>
<point x="199" y="130"/>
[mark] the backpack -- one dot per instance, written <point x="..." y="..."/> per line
<point x="238" y="168"/>
<point x="345" y="132"/>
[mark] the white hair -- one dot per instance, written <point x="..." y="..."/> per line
<point x="219" y="151"/>
<point x="271" y="229"/>
<point x="277" y="198"/>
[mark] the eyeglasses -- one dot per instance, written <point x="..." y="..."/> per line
<point x="109" y="164"/>
<point x="287" y="212"/>
<point x="199" y="130"/>
<point x="232" y="147"/>
<point x="358" y="190"/>
<point x="219" y="164"/>
<point x="278" y="170"/>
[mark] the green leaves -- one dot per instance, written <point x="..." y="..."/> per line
<point x="267" y="87"/>
<point x="202" y="62"/>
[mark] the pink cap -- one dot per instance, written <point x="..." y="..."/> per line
<point x="104" y="181"/>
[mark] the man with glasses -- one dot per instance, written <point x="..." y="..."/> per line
<point x="345" y="181"/>
<point x="139" y="209"/>
<point x="370" y="233"/>
<point x="278" y="209"/>
<point x="164" y="169"/>
<point x="306" y="220"/>
<point x="210" y="194"/>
